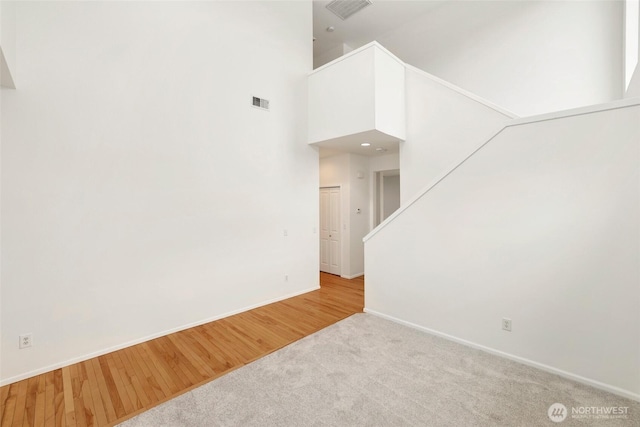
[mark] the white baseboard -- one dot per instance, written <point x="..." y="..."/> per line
<point x="593" y="383"/>
<point x="102" y="352"/>
<point x="353" y="276"/>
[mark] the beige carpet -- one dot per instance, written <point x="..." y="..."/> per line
<point x="367" y="371"/>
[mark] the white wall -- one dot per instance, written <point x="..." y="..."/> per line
<point x="359" y="211"/>
<point x="633" y="90"/>
<point x="380" y="163"/>
<point x="631" y="39"/>
<point x="329" y="55"/>
<point x="390" y="195"/>
<point x="140" y="190"/>
<point x="342" y="97"/>
<point x="358" y="98"/>
<point x="390" y="94"/>
<point x="539" y="226"/>
<point x="444" y="125"/>
<point x="7" y="43"/>
<point x="634" y="86"/>
<point x="342" y="170"/>
<point x="384" y="162"/>
<point x="529" y="57"/>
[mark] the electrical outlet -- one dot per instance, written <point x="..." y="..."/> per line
<point x="26" y="340"/>
<point x="506" y="324"/>
<point x="285" y="232"/>
<point x="286" y="277"/>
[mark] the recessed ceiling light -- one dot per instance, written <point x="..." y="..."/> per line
<point x="330" y="29"/>
<point x="365" y="144"/>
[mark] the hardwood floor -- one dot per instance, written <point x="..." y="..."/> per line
<point x="109" y="389"/>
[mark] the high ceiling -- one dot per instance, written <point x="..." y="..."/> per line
<point x="366" y="25"/>
<point x="359" y="29"/>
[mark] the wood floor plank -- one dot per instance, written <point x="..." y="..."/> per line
<point x="116" y="401"/>
<point x="108" y="389"/>
<point x="94" y="390"/>
<point x="154" y="376"/>
<point x="59" y="400"/>
<point x="127" y="380"/>
<point x="69" y="406"/>
<point x="49" y="399"/>
<point x="202" y="367"/>
<point x="4" y="396"/>
<point x="220" y="344"/>
<point x="85" y="393"/>
<point x="105" y="396"/>
<point x="157" y="364"/>
<point x="127" y="407"/>
<point x="169" y="363"/>
<point x="78" y="401"/>
<point x="10" y="404"/>
<point x="139" y="381"/>
<point x="38" y="418"/>
<point x="217" y="357"/>
<point x="21" y="402"/>
<point x="182" y="362"/>
<point x="208" y="354"/>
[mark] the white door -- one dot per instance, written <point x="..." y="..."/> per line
<point x="330" y="230"/>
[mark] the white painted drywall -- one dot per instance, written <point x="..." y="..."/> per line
<point x="331" y="54"/>
<point x="7" y="43"/>
<point x="631" y="39"/>
<point x="390" y="195"/>
<point x="141" y="192"/>
<point x="634" y="86"/>
<point x="342" y="97"/>
<point x="328" y="56"/>
<point x="390" y="94"/>
<point x="342" y="170"/>
<point x="529" y="57"/>
<point x="384" y="162"/>
<point x="360" y="95"/>
<point x="443" y="127"/>
<point x="359" y="212"/>
<point x="380" y="163"/>
<point x="539" y="226"/>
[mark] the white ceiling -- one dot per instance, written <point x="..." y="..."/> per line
<point x="380" y="144"/>
<point x="366" y="25"/>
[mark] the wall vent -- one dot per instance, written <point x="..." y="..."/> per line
<point x="345" y="8"/>
<point x="260" y="103"/>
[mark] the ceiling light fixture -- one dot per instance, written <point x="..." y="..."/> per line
<point x="330" y="29"/>
<point x="365" y="144"/>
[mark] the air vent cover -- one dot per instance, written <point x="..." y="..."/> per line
<point x="345" y="8"/>
<point x="260" y="103"/>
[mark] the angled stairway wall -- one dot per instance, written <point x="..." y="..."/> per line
<point x="539" y="225"/>
<point x="444" y="123"/>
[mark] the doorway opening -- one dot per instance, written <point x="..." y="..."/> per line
<point x="386" y="194"/>
<point x="330" y="232"/>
